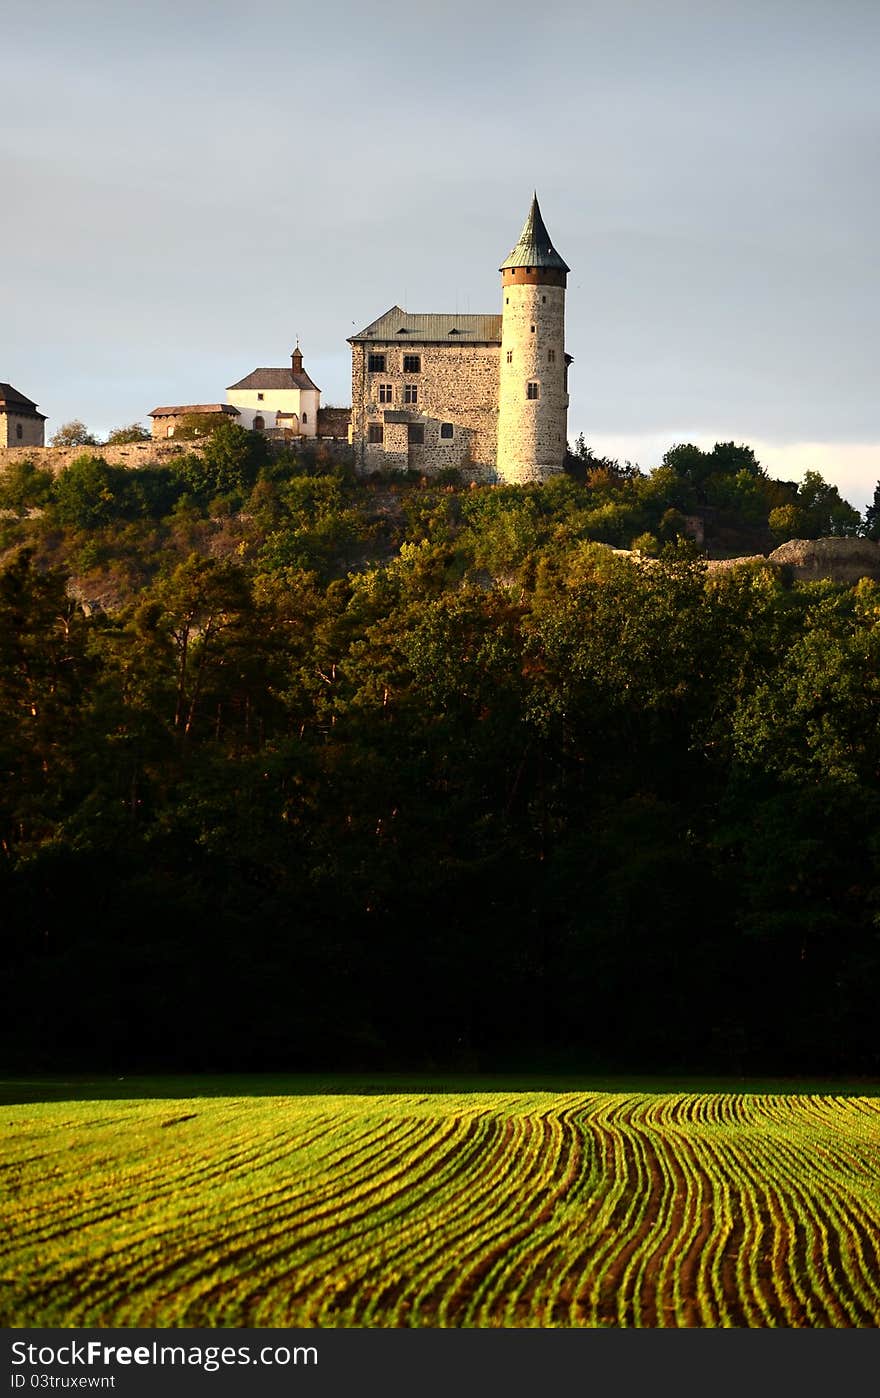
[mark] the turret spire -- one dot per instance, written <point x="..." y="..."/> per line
<point x="534" y="248"/>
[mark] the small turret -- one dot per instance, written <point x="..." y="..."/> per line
<point x="296" y="360"/>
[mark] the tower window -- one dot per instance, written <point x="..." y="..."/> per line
<point x="544" y="298"/>
<point x="375" y="434"/>
<point x="532" y="329"/>
<point x="412" y="363"/>
<point x="385" y="393"/>
<point x="551" y="356"/>
<point x="510" y="356"/>
<point x="410" y="393"/>
<point x="507" y="300"/>
<point x="415" y="434"/>
<point x="305" y="417"/>
<point x="532" y="390"/>
<point x="446" y="430"/>
<point x="376" y="363"/>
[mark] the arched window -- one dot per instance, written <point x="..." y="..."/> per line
<point x="305" y="417"/>
<point x="259" y="423"/>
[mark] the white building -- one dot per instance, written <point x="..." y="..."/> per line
<point x="278" y="400"/>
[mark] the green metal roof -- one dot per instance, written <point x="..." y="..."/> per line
<point x="401" y="327"/>
<point x="534" y="248"/>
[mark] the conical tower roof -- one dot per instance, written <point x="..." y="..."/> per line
<point x="534" y="248"/>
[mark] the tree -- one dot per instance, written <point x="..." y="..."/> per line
<point x="74" y="434"/>
<point x="230" y="462"/>
<point x="24" y="486"/>
<point x="135" y="432"/>
<point x="871" y="527"/>
<point x="829" y="513"/>
<point x="88" y="492"/>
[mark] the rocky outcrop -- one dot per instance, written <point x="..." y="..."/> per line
<point x="841" y="560"/>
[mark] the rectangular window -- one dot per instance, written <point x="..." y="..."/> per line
<point x="551" y="356"/>
<point x="510" y="356"/>
<point x="410" y="393"/>
<point x="531" y="390"/>
<point x="415" y="434"/>
<point x="412" y="363"/>
<point x="375" y="434"/>
<point x="385" y="393"/>
<point x="446" y="430"/>
<point x="532" y="329"/>
<point x="259" y="397"/>
<point x="376" y="363"/>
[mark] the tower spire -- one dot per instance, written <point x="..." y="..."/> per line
<point x="534" y="248"/>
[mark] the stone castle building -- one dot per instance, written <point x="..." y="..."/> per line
<point x="484" y="394"/>
<point x="20" y="423"/>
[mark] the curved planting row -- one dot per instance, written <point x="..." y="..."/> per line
<point x="476" y="1210"/>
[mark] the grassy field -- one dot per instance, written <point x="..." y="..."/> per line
<point x="419" y="1206"/>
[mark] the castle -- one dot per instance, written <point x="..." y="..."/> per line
<point x="486" y="395"/>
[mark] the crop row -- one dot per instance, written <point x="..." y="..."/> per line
<point x="471" y="1210"/>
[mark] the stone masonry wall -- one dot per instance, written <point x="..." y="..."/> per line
<point x="456" y="383"/>
<point x="532" y="431"/>
<point x="134" y="454"/>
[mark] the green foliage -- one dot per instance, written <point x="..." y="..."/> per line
<point x="24" y="486"/>
<point x="229" y="463"/>
<point x="791" y="522"/>
<point x="134" y="432"/>
<point x="73" y="434"/>
<point x="89" y="492"/>
<point x="872" y="516"/>
<point x="443" y="758"/>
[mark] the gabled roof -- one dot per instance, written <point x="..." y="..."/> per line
<point x="11" y="401"/>
<point x="275" y="378"/>
<point x="534" y="248"/>
<point x="186" y="409"/>
<point x="402" y="327"/>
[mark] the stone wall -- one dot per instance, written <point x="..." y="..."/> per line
<point x="133" y="454"/>
<point x="456" y="384"/>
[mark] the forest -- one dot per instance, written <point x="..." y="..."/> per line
<point x="301" y="771"/>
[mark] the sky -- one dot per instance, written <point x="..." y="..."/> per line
<point x="189" y="187"/>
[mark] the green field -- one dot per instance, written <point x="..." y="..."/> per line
<point x="439" y="1208"/>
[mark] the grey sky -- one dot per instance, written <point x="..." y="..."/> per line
<point x="188" y="186"/>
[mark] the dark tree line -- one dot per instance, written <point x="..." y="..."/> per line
<point x="362" y="776"/>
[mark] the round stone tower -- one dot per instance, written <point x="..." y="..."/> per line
<point x="533" y="376"/>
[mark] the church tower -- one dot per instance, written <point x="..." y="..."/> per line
<point x="533" y="375"/>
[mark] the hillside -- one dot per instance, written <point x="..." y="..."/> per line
<point x="385" y="774"/>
